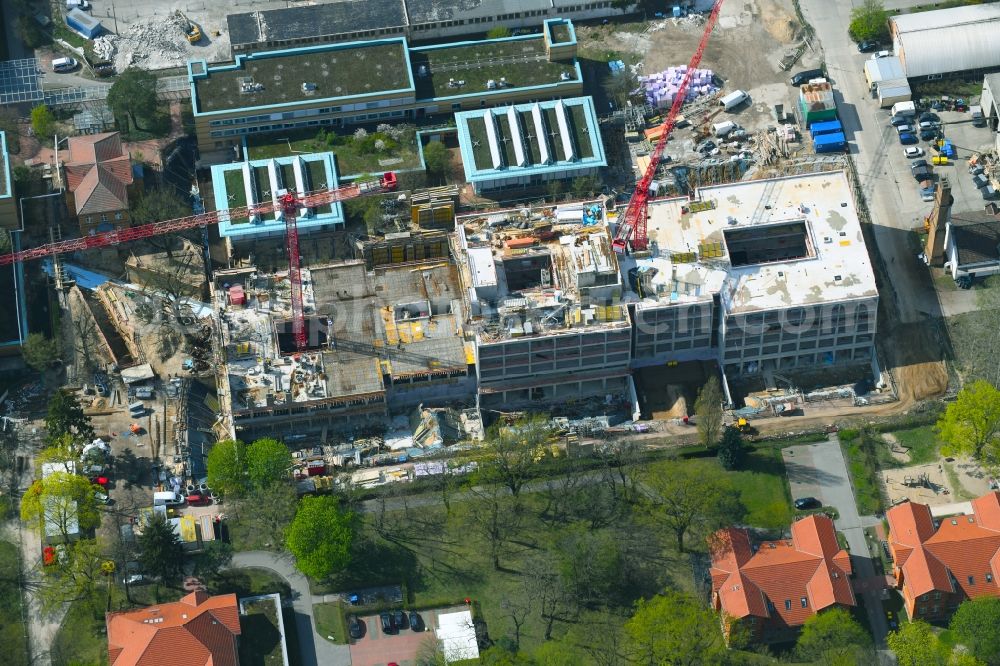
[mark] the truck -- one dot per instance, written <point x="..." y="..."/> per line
<point x="830" y="143"/>
<point x="733" y="99"/>
<point x="904" y="109"/>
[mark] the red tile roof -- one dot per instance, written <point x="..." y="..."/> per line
<point x="957" y="556"/>
<point x="98" y="173"/>
<point x="811" y="566"/>
<point x="198" y="630"/>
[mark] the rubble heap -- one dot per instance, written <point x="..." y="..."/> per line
<point x="157" y="43"/>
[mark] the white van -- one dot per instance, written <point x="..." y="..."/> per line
<point x="167" y="498"/>
<point x="82" y="5"/>
<point x="733" y="99"/>
<point x="64" y="64"/>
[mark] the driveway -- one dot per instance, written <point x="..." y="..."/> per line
<point x="315" y="649"/>
<point x="819" y="470"/>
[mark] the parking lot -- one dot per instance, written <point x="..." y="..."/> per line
<point x="376" y="648"/>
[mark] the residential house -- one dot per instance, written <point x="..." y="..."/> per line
<point x="939" y="563"/>
<point x="198" y="630"/>
<point x="772" y="588"/>
<point x="100" y="178"/>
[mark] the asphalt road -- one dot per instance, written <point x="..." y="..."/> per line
<point x="315" y="650"/>
<point x="819" y="470"/>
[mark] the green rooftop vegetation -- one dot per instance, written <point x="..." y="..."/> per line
<point x="343" y="72"/>
<point x="236" y="192"/>
<point x="560" y="32"/>
<point x="390" y="149"/>
<point x="260" y="642"/>
<point x="522" y="63"/>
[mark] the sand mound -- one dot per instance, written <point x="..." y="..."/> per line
<point x="922" y="380"/>
<point x="778" y="22"/>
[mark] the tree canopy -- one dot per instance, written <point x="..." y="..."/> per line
<point x="320" y="536"/>
<point x="268" y="461"/>
<point x="160" y="549"/>
<point x="976" y="624"/>
<point x="916" y="644"/>
<point x="686" y="499"/>
<point x="39" y="351"/>
<point x="511" y="449"/>
<point x="43" y="123"/>
<point x="732" y="452"/>
<point x="869" y="21"/>
<point x="159" y="204"/>
<point x="60" y="500"/>
<point x="708" y="412"/>
<point x="437" y="160"/>
<point x="970" y="424"/>
<point x="133" y="95"/>
<point x="236" y="469"/>
<point x="65" y="417"/>
<point x="674" y="628"/>
<point x="833" y="636"/>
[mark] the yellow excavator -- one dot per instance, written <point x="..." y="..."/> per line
<point x="193" y="30"/>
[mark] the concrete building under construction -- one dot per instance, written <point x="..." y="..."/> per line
<point x="385" y="338"/>
<point x="545" y="305"/>
<point x="762" y="276"/>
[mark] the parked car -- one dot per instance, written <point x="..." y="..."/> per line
<point x="913" y="151"/>
<point x="198" y="499"/>
<point x="399" y="619"/>
<point x="100" y="480"/>
<point x="907" y="139"/>
<point x="804" y="503"/>
<point x="929" y="116"/>
<point x="919" y="164"/>
<point x="416" y="622"/>
<point x="137" y="579"/>
<point x="102" y="497"/>
<point x="355" y="627"/>
<point x="867" y="46"/>
<point x="65" y="65"/>
<point x="929" y="134"/>
<point x="921" y="174"/>
<point x="388" y="626"/>
<point x="806" y="76"/>
<point x="898" y="121"/>
<point x="905" y="127"/>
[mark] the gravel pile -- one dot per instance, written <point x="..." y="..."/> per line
<point x="157" y="43"/>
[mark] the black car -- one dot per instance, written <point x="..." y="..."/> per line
<point x="388" y="626"/>
<point x="929" y="117"/>
<point x="929" y="134"/>
<point x="804" y="503"/>
<point x="416" y="622"/>
<point x="922" y="174"/>
<point x="356" y="628"/>
<point x="867" y="46"/>
<point x="806" y="76"/>
<point x="399" y="619"/>
<point x="918" y="164"/>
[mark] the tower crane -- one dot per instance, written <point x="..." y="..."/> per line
<point x="288" y="205"/>
<point x="632" y="230"/>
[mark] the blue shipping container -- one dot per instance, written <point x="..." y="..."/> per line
<point x="825" y="127"/>
<point x="830" y="143"/>
<point x="83" y="23"/>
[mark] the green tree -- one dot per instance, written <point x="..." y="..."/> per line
<point x="78" y="575"/>
<point x="585" y="186"/>
<point x="970" y="424"/>
<point x="268" y="462"/>
<point x="133" y="95"/>
<point x="674" y="628"/>
<point x="833" y="636"/>
<point x="65" y="417"/>
<point x="39" y="351"/>
<point x="916" y="644"/>
<point x="498" y="32"/>
<point x="42" y="122"/>
<point x="437" y="159"/>
<point x="160" y="549"/>
<point x="975" y="625"/>
<point x="684" y="498"/>
<point x="227" y="463"/>
<point x="157" y="205"/>
<point x="320" y="536"/>
<point x="708" y="412"/>
<point x="509" y="453"/>
<point x="732" y="452"/>
<point x="267" y="512"/>
<point x="869" y="20"/>
<point x="591" y="565"/>
<point x="61" y="501"/>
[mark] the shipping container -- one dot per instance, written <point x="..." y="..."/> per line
<point x="830" y="143"/>
<point x="733" y="99"/>
<point x="904" y="109"/>
<point x="825" y="127"/>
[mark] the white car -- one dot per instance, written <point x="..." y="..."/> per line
<point x="913" y="151"/>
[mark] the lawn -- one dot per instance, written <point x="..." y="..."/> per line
<point x="861" y="451"/>
<point x="762" y="485"/>
<point x="82" y="636"/>
<point x="331" y="621"/>
<point x="260" y="642"/>
<point x="922" y="443"/>
<point x="12" y="634"/>
<point x="236" y="192"/>
<point x="354" y="157"/>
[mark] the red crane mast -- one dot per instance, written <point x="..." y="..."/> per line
<point x="288" y="204"/>
<point x="632" y="230"/>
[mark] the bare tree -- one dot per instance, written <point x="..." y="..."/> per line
<point x="553" y="599"/>
<point x="708" y="409"/>
<point x="496" y="516"/>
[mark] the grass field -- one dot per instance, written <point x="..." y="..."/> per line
<point x="621" y="552"/>
<point x="12" y="633"/>
<point x="82" y="637"/>
<point x="331" y="621"/>
<point x="353" y="157"/>
<point x="922" y="443"/>
<point x="860" y="450"/>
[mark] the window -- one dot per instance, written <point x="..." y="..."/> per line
<point x="805" y="602"/>
<point x="118" y="216"/>
<point x="788" y="604"/>
<point x="104" y="217"/>
<point x="989" y="578"/>
<point x="972" y="580"/>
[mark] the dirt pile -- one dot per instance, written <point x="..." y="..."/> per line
<point x="157" y="43"/>
<point x="779" y="23"/>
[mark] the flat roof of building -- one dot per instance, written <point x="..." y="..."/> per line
<point x="463" y="68"/>
<point x="331" y="18"/>
<point x="693" y="250"/>
<point x="529" y="139"/>
<point x="278" y="78"/>
<point x="255" y="182"/>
